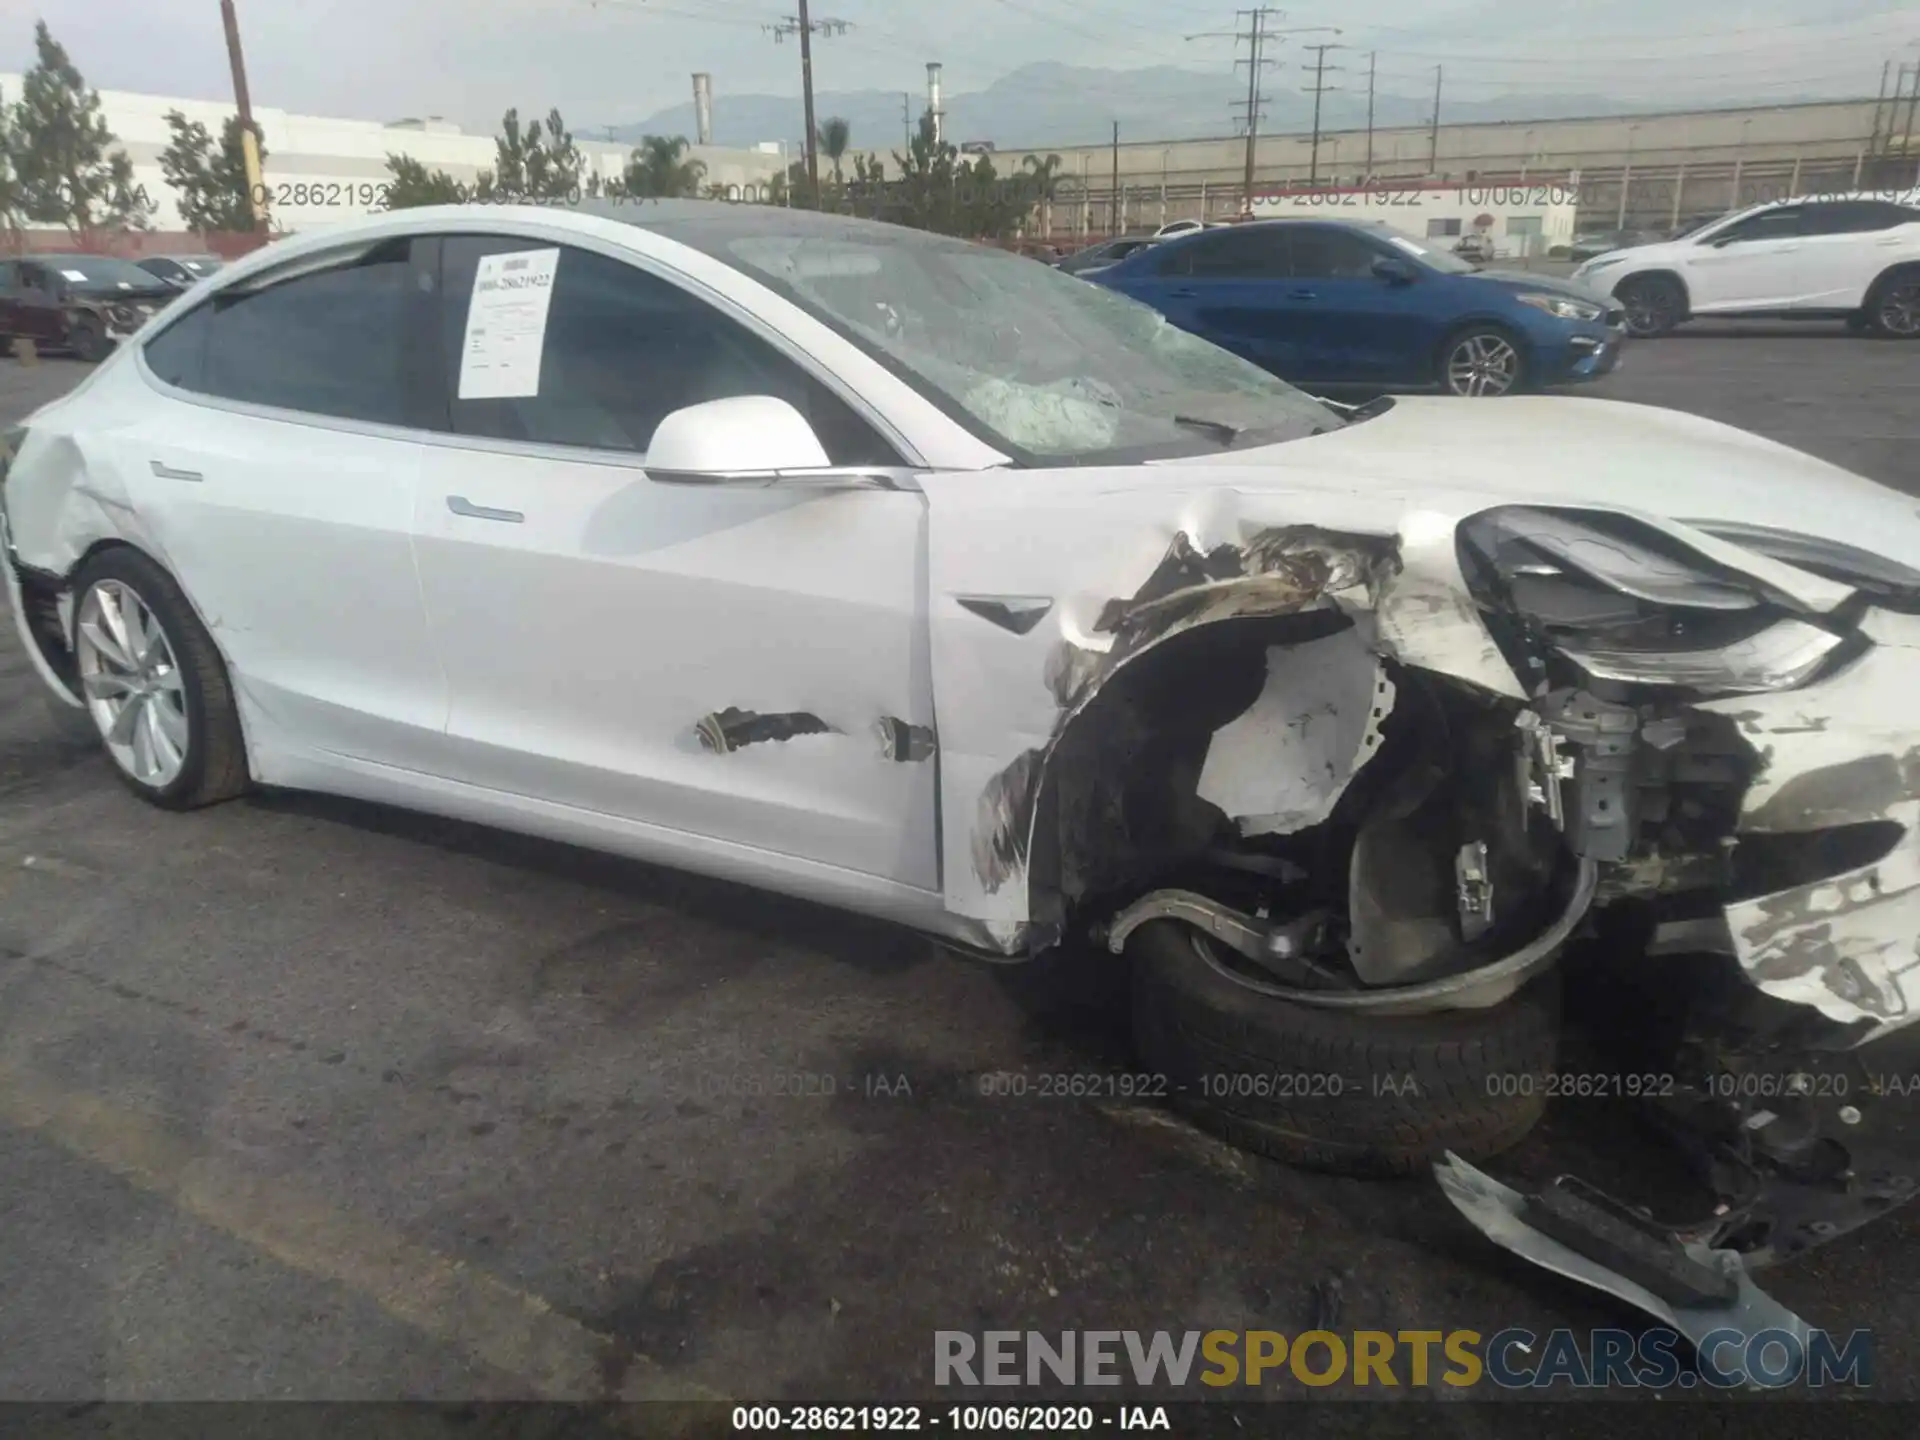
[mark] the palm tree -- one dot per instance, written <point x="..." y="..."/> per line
<point x="1044" y="177"/>
<point x="835" y="136"/>
<point x="657" y="170"/>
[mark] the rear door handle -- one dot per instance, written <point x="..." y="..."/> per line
<point x="1181" y="294"/>
<point x="167" y="472"/>
<point x="1300" y="294"/>
<point x="460" y="505"/>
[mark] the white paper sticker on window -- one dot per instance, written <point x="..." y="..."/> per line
<point x="507" y="325"/>
<point x="79" y="277"/>
<point x="1407" y="245"/>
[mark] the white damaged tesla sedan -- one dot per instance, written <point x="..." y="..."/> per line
<point x="911" y="577"/>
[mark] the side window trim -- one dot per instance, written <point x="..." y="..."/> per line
<point x="783" y="345"/>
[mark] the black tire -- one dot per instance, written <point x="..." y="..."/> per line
<point x="1893" y="306"/>
<point x="214" y="765"/>
<point x="1335" y="1090"/>
<point x="1520" y="372"/>
<point x="89" y="339"/>
<point x="1654" y="305"/>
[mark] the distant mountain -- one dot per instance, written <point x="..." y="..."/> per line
<point x="1048" y="104"/>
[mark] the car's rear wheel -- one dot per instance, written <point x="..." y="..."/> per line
<point x="1654" y="305"/>
<point x="89" y="339"/>
<point x="1893" y="310"/>
<point x="154" y="684"/>
<point x="1348" y="1091"/>
<point x="1482" y="360"/>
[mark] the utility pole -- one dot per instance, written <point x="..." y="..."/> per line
<point x="1373" y="59"/>
<point x="249" y="143"/>
<point x="1879" y="104"/>
<point x="1113" y="205"/>
<point x="906" y="118"/>
<point x="804" y="26"/>
<point x="1255" y="37"/>
<point x="1913" y="102"/>
<point x="1433" y="137"/>
<point x="1319" y="85"/>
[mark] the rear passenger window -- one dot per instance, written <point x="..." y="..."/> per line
<point x="1252" y="254"/>
<point x="177" y="354"/>
<point x="621" y="350"/>
<point x="331" y="342"/>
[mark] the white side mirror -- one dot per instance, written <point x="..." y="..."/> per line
<point x="746" y="438"/>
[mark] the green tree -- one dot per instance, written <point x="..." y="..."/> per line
<point x="9" y="186"/>
<point x="413" y="184"/>
<point x="658" y="169"/>
<point x="212" y="184"/>
<point x="62" y="166"/>
<point x="534" y="164"/>
<point x="834" y="138"/>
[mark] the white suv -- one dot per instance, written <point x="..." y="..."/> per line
<point x="1854" y="257"/>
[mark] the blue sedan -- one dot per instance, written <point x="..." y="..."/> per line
<point x="1357" y="304"/>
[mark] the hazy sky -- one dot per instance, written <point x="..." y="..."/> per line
<point x="614" y="61"/>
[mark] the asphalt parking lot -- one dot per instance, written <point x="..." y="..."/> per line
<point x="301" y="1098"/>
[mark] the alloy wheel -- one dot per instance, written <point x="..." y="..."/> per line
<point x="132" y="684"/>
<point x="1900" y="309"/>
<point x="1483" y="364"/>
<point x="1649" y="310"/>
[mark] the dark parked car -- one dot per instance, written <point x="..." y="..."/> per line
<point x="80" y="303"/>
<point x="1107" y="252"/>
<point x="1353" y="303"/>
<point x="180" y="271"/>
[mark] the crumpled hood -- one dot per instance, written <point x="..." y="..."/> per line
<point x="1553" y="449"/>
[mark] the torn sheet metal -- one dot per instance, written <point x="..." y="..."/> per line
<point x="1427" y="617"/>
<point x="1279" y="571"/>
<point x="903" y="741"/>
<point x="1842" y="751"/>
<point x="1848" y="947"/>
<point x="1283" y="763"/>
<point x="1500" y="1214"/>
<point x="1127" y="561"/>
<point x="724" y="731"/>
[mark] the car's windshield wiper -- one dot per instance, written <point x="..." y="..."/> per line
<point x="1219" y="429"/>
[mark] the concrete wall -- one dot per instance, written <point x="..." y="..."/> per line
<point x="1666" y="167"/>
<point x="322" y="169"/>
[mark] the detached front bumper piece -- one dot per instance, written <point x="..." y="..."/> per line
<point x="1691" y="1286"/>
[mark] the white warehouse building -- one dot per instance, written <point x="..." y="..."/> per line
<point x="321" y="169"/>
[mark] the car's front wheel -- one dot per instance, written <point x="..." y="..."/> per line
<point x="1353" y="1092"/>
<point x="1654" y="305"/>
<point x="1482" y="360"/>
<point x="1893" y="310"/>
<point x="154" y="684"/>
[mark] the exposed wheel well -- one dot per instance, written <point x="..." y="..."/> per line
<point x="1147" y="729"/>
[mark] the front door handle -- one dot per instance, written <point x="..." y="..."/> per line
<point x="1181" y="294"/>
<point x="167" y="472"/>
<point x="460" y="505"/>
<point x="1300" y="294"/>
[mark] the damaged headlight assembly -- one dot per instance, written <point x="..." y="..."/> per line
<point x="1624" y="604"/>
